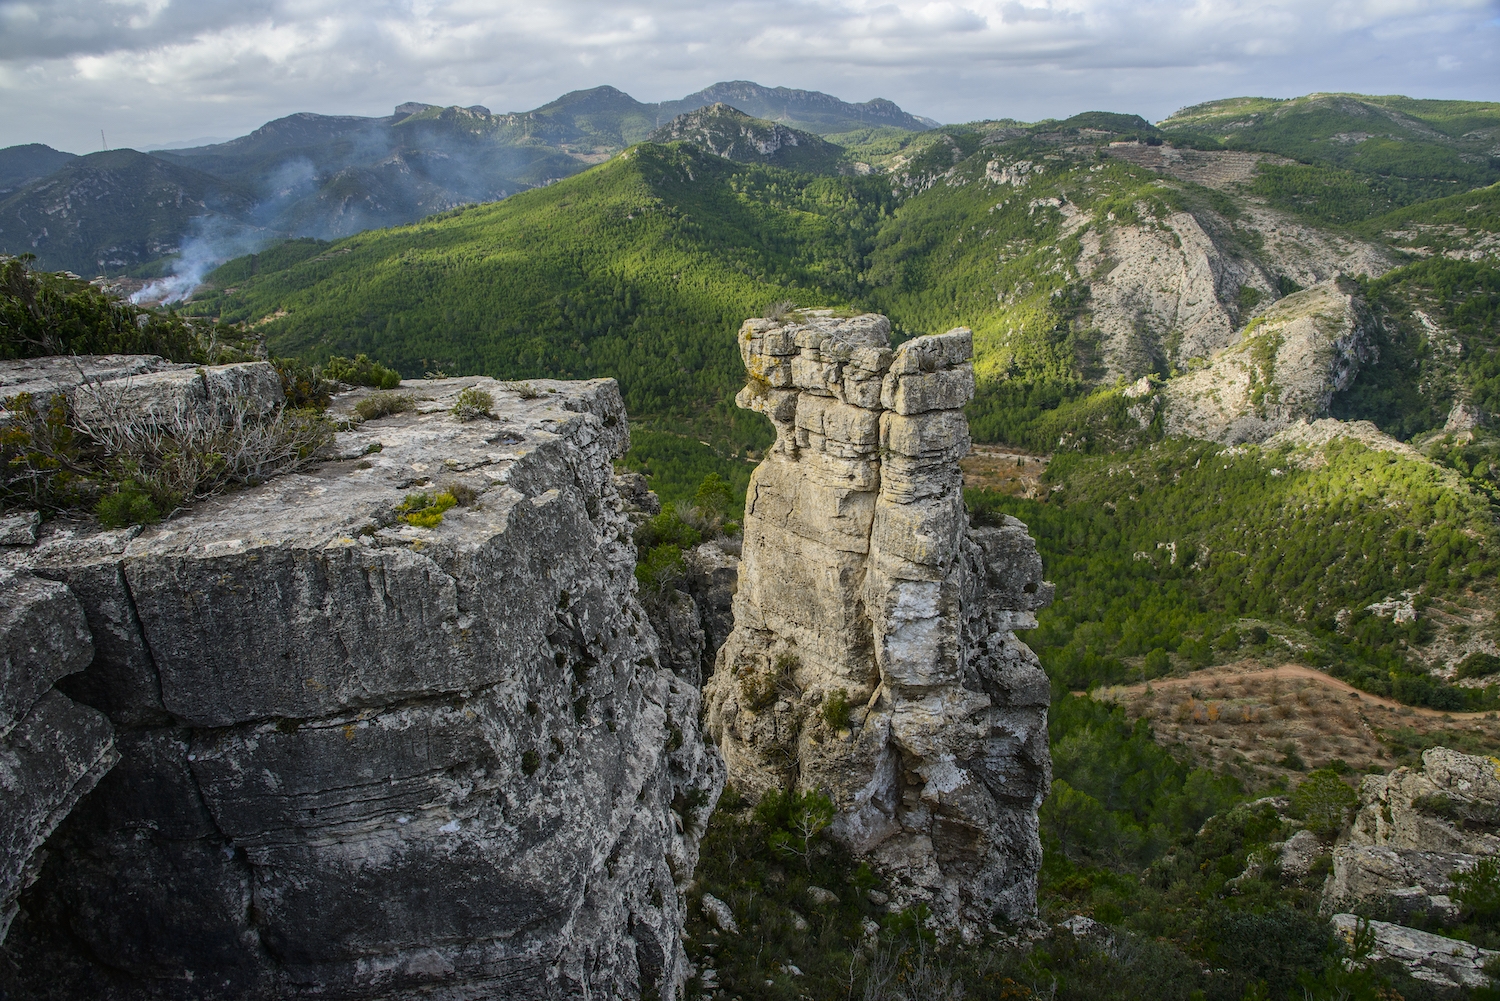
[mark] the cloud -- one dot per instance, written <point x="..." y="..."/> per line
<point x="150" y="71"/>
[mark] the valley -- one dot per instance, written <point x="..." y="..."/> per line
<point x="1237" y="373"/>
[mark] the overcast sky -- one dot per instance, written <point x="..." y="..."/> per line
<point x="153" y="71"/>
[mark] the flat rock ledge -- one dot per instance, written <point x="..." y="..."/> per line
<point x="864" y="586"/>
<point x="359" y="757"/>
<point x="1442" y="961"/>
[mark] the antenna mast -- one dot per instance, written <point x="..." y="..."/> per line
<point x="102" y="144"/>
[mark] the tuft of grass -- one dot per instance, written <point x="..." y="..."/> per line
<point x="384" y="405"/>
<point x="472" y="404"/>
<point x="836" y="709"/>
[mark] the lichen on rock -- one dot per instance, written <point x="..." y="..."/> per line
<point x="863" y="584"/>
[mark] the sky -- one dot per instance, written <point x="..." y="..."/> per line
<point x="151" y="72"/>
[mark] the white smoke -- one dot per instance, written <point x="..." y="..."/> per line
<point x="213" y="239"/>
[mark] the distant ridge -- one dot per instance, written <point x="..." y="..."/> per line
<point x="734" y="135"/>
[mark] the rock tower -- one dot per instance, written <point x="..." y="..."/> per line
<point x="864" y="585"/>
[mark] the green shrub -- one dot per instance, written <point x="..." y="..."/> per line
<point x="530" y="762"/>
<point x="1323" y="801"/>
<point x="304" y="385"/>
<point x="472" y="404"/>
<point x="794" y="821"/>
<point x="836" y="709"/>
<point x="129" y="505"/>
<point x="714" y="496"/>
<point x="1478" y="891"/>
<point x="361" y="371"/>
<point x="424" y="511"/>
<point x="661" y="567"/>
<point x="380" y="405"/>
<point x="1478" y="665"/>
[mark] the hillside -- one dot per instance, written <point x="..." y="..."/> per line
<point x="329" y="176"/>
<point x="1080" y="254"/>
<point x="115" y="211"/>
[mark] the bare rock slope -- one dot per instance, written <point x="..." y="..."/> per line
<point x="863" y="585"/>
<point x="364" y="755"/>
<point x="1283" y="370"/>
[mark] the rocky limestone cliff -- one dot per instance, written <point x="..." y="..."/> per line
<point x="1284" y="369"/>
<point x="862" y="582"/>
<point x="361" y="757"/>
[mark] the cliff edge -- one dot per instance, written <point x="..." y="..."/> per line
<point x="392" y="726"/>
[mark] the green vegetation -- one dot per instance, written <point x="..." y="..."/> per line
<point x="425" y="511"/>
<point x="1200" y="551"/>
<point x="361" y="371"/>
<point x="1358" y="156"/>
<point x="50" y="314"/>
<point x="1323" y="801"/>
<point x="472" y="404"/>
<point x="380" y="405"/>
<point x="1410" y="387"/>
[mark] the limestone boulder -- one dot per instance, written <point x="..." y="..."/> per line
<point x="1435" y="959"/>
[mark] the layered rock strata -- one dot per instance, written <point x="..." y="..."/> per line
<point x="372" y="753"/>
<point x="1416" y="828"/>
<point x="863" y="585"/>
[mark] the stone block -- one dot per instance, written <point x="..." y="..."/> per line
<point x="43" y="638"/>
<point x="946" y="389"/>
<point x="937" y="437"/>
<point x="934" y="353"/>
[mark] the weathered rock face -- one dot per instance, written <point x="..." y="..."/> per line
<point x="52" y="750"/>
<point x="862" y="581"/>
<point x="1442" y="961"/>
<point x="1284" y="369"/>
<point x="362" y="758"/>
<point x="1416" y="829"/>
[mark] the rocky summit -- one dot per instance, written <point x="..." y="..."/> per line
<point x="873" y="655"/>
<point x="392" y="726"/>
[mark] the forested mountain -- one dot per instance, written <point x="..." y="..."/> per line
<point x="1238" y="371"/>
<point x="734" y="135"/>
<point x="21" y="165"/>
<point x="114" y="211"/>
<point x="329" y="176"/>
<point x="1099" y="266"/>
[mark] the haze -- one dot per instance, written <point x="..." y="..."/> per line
<point x="150" y="72"/>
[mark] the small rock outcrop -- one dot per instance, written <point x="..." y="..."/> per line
<point x="52" y="750"/>
<point x="373" y="745"/>
<point x="1284" y="369"/>
<point x="873" y="656"/>
<point x="1417" y="828"/>
<point x="1437" y="960"/>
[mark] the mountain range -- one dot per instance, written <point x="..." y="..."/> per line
<point x="329" y="176"/>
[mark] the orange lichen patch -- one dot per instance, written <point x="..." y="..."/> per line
<point x="1005" y="470"/>
<point x="1264" y="724"/>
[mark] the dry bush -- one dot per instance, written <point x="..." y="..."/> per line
<point x="134" y="466"/>
<point x="379" y="405"/>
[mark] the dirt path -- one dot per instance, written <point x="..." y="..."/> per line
<point x="1123" y="693"/>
